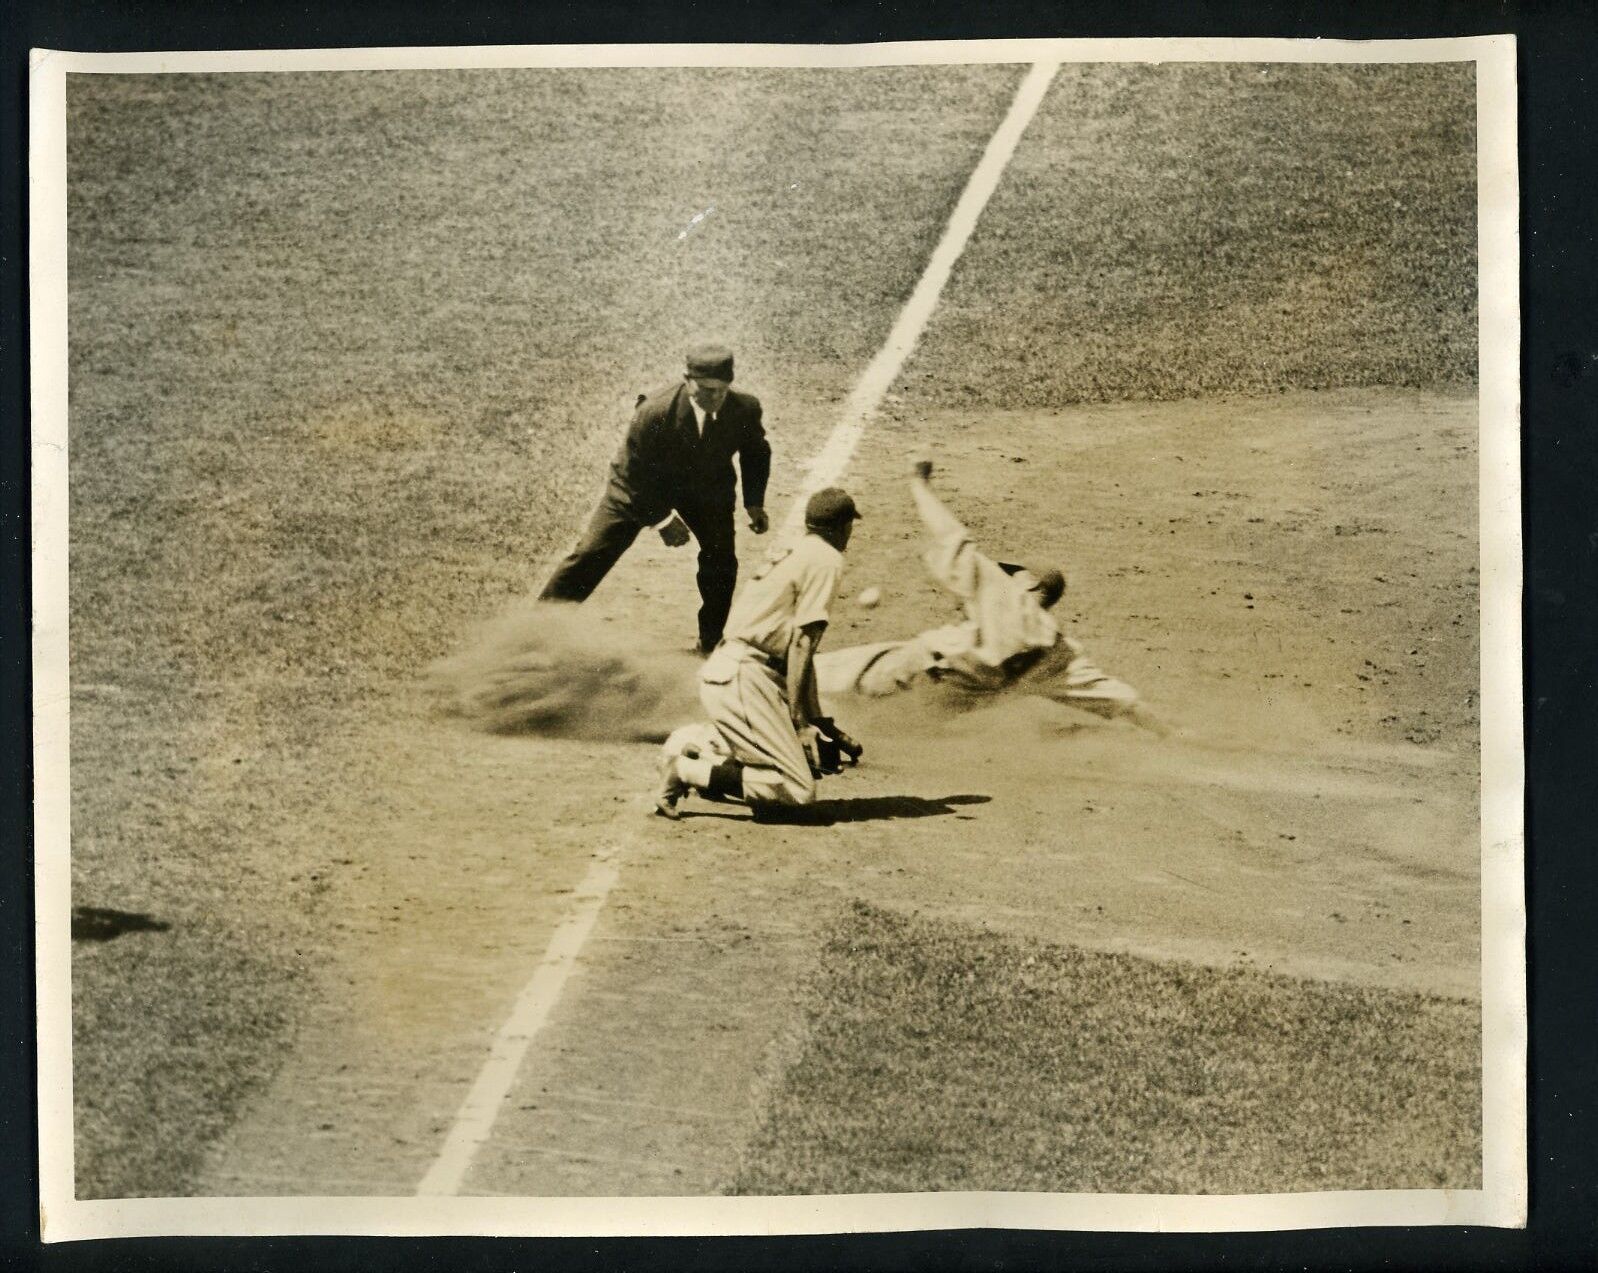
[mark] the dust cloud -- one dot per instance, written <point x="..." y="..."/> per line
<point x="560" y="670"/>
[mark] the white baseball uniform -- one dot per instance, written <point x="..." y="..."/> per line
<point x="1008" y="638"/>
<point x="743" y="685"/>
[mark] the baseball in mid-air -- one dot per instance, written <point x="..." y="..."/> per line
<point x="869" y="597"/>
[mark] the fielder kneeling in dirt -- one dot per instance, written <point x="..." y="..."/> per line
<point x="759" y="687"/>
<point x="1009" y="640"/>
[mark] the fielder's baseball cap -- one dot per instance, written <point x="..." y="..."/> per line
<point x="830" y="506"/>
<point x="710" y="362"/>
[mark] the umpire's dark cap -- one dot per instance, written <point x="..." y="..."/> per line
<point x="830" y="506"/>
<point x="710" y="362"/>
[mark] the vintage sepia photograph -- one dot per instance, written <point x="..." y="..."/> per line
<point x="759" y="631"/>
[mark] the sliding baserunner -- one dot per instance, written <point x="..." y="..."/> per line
<point x="1008" y="640"/>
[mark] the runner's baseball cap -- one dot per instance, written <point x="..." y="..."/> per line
<point x="710" y="362"/>
<point x="830" y="506"/>
<point x="1047" y="581"/>
<point x="1051" y="585"/>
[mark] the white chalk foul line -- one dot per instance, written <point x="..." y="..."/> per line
<point x="829" y="463"/>
<point x="474" y="1121"/>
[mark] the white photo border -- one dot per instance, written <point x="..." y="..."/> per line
<point x="1502" y="1200"/>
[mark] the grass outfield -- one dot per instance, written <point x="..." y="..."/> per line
<point x="1190" y="230"/>
<point x="941" y="1056"/>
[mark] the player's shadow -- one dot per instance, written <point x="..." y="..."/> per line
<point x="100" y="923"/>
<point x="826" y="813"/>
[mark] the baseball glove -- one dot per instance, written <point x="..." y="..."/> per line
<point x="834" y="748"/>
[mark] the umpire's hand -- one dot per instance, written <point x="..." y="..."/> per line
<point x="758" y="521"/>
<point x="675" y="532"/>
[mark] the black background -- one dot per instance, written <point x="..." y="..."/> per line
<point x="1558" y="73"/>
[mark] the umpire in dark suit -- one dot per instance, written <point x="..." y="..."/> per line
<point x="674" y="473"/>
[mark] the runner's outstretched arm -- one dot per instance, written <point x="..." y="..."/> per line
<point x="952" y="558"/>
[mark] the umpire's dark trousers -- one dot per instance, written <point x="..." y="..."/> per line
<point x="611" y="531"/>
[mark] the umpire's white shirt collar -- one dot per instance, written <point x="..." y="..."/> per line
<point x="699" y="415"/>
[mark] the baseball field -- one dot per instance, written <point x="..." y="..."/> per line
<point x="349" y="353"/>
